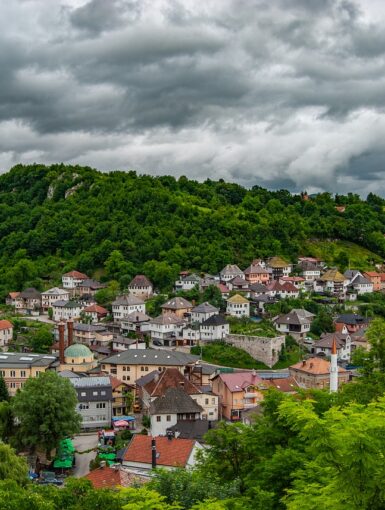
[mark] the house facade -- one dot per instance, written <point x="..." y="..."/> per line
<point x="6" y="334"/>
<point x="296" y="323"/>
<point x="51" y="296"/>
<point x="238" y="306"/>
<point x="66" y="310"/>
<point x="229" y="272"/>
<point x="73" y="279"/>
<point x="256" y="273"/>
<point x="315" y="373"/>
<point x="214" y="328"/>
<point x="178" y="306"/>
<point x="125" y="305"/>
<point x="202" y="312"/>
<point x="141" y="287"/>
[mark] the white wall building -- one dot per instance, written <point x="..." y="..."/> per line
<point x="124" y="306"/>
<point x="65" y="310"/>
<point x="214" y="328"/>
<point x="238" y="306"/>
<point x="51" y="296"/>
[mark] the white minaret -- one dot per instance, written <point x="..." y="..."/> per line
<point x="334" y="368"/>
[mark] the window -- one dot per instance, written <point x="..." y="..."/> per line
<point x="101" y="405"/>
<point x="142" y="369"/>
<point x="168" y="418"/>
<point x="213" y="400"/>
<point x="206" y="401"/>
<point x="13" y="373"/>
<point x="102" y="392"/>
<point x="83" y="393"/>
<point x="94" y="393"/>
<point x="146" y="369"/>
<point x="23" y="373"/>
<point x="124" y="369"/>
<point x="158" y="418"/>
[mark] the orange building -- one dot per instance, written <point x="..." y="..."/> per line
<point x="375" y="278"/>
<point x="315" y="373"/>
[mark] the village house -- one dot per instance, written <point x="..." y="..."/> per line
<point x="31" y="301"/>
<point x="16" y="368"/>
<point x="130" y="365"/>
<point x="315" y="373"/>
<point x="258" y="289"/>
<point x="66" y="310"/>
<point x="122" y="343"/>
<point x="279" y="267"/>
<point x="203" y="311"/>
<point x="238" y="306"/>
<point x="178" y="306"/>
<point x="297" y="281"/>
<point x="125" y="305"/>
<point x="374" y="278"/>
<point x="353" y="322"/>
<point x="296" y="323"/>
<point x="360" y="285"/>
<point x="95" y="312"/>
<point x="135" y="322"/>
<point x="187" y="282"/>
<point x="95" y="401"/>
<point x="13" y="299"/>
<point x="229" y="272"/>
<point x="73" y="279"/>
<point x="174" y="406"/>
<point x="51" y="296"/>
<point x="215" y="327"/>
<point x="239" y="284"/>
<point x="333" y="282"/>
<point x="256" y="273"/>
<point x="146" y="453"/>
<point x="166" y="328"/>
<point x="6" y="334"/>
<point x="89" y="287"/>
<point x="141" y="287"/>
<point x="324" y="345"/>
<point x="282" y="290"/>
<point x="237" y="392"/>
<point x="310" y="271"/>
<point x="313" y="260"/>
<point x="120" y="391"/>
<point x="155" y="384"/>
<point x="190" y="334"/>
<point x="106" y="477"/>
<point x="91" y="334"/>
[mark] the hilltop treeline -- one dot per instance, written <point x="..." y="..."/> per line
<point x="59" y="217"/>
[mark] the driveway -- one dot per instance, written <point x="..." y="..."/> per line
<point x="82" y="443"/>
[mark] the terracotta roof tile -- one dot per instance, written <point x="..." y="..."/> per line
<point x="315" y="366"/>
<point x="109" y="478"/>
<point x="170" y="452"/>
<point x="76" y="274"/>
<point x="4" y="324"/>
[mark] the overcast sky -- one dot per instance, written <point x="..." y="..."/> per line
<point x="279" y="93"/>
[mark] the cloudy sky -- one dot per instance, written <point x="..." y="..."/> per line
<point x="279" y="93"/>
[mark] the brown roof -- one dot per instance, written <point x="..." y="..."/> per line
<point x="332" y="275"/>
<point x="14" y="295"/>
<point x="169" y="378"/>
<point x="115" y="382"/>
<point x="286" y="384"/>
<point x="76" y="274"/>
<point x="4" y="324"/>
<point x="177" y="303"/>
<point x="237" y="381"/>
<point x="140" y="280"/>
<point x="278" y="262"/>
<point x="96" y="308"/>
<point x="170" y="452"/>
<point x="314" y="366"/>
<point x="256" y="269"/>
<point x="109" y="478"/>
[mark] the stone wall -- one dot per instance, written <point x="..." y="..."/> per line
<point x="264" y="349"/>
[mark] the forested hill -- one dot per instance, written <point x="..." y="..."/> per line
<point x="116" y="224"/>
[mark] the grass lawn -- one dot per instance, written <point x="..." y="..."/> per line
<point x="359" y="257"/>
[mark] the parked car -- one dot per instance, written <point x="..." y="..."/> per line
<point x="157" y="342"/>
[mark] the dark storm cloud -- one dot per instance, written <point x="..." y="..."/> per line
<point x="282" y="93"/>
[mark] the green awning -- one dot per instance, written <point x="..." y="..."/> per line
<point x="63" y="463"/>
<point x="107" y="456"/>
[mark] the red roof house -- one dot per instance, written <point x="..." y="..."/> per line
<point x="111" y="477"/>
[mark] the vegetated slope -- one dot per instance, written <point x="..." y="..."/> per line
<point x="60" y="217"/>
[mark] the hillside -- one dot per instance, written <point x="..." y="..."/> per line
<point x="116" y="224"/>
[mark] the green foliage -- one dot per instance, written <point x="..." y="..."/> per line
<point x="12" y="467"/>
<point x="146" y="421"/>
<point x="4" y="395"/>
<point x="220" y="353"/>
<point x="117" y="224"/>
<point x="245" y="326"/>
<point x="45" y="410"/>
<point x="322" y="323"/>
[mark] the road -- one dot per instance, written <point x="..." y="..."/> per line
<point x="84" y="442"/>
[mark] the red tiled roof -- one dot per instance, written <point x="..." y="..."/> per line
<point x="239" y="380"/>
<point x="170" y="452"/>
<point x="169" y="378"/>
<point x="96" y="308"/>
<point x="382" y="275"/>
<point x="372" y="274"/>
<point x="115" y="382"/>
<point x="223" y="288"/>
<point x="315" y="366"/>
<point x="292" y="279"/>
<point x="76" y="274"/>
<point x="340" y="326"/>
<point x="286" y="385"/>
<point x="289" y="287"/>
<point x="107" y="477"/>
<point x="5" y="324"/>
<point x="140" y="280"/>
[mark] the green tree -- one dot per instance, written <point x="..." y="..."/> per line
<point x="4" y="395"/>
<point x="12" y="467"/>
<point x="45" y="409"/>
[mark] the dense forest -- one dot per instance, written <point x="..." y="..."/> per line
<point x="113" y="225"/>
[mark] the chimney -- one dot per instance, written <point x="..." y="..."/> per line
<point x="303" y="362"/>
<point x="153" y="453"/>
<point x="102" y="464"/>
<point x="70" y="328"/>
<point x="61" y="342"/>
<point x="254" y="372"/>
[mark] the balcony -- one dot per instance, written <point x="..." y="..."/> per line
<point x="249" y="405"/>
<point x="252" y="395"/>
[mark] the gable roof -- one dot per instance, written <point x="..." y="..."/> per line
<point x="140" y="280"/>
<point x="215" y="320"/>
<point x="258" y="287"/>
<point x="30" y="293"/>
<point x="278" y="263"/>
<point x="352" y="319"/>
<point x="174" y="401"/>
<point x="109" y="478"/>
<point x="296" y="316"/>
<point x="137" y="317"/>
<point x="170" y="452"/>
<point x="76" y="274"/>
<point x="205" y="308"/>
<point x="96" y="308"/>
<point x="4" y="324"/>
<point x="55" y="291"/>
<point x="238" y="280"/>
<point x="167" y="318"/>
<point x="128" y="300"/>
<point x="308" y="266"/>
<point x="238" y="299"/>
<point x="92" y="284"/>
<point x="256" y="269"/>
<point x="156" y="384"/>
<point x="177" y="303"/>
<point x="230" y="269"/>
<point x="237" y="381"/>
<point x="326" y="340"/>
<point x="332" y="275"/>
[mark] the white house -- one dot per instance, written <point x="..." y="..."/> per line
<point x="310" y="271"/>
<point x="73" y="279"/>
<point x="141" y="287"/>
<point x="343" y="344"/>
<point x="214" y="328"/>
<point x="203" y="311"/>
<point x="187" y="282"/>
<point x="191" y="334"/>
<point x="135" y="321"/>
<point x="6" y="334"/>
<point x="165" y="326"/>
<point x="296" y="323"/>
<point x="125" y="305"/>
<point x="53" y="295"/>
<point x="358" y="283"/>
<point x="229" y="272"/>
<point x="65" y="310"/>
<point x="238" y="306"/>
